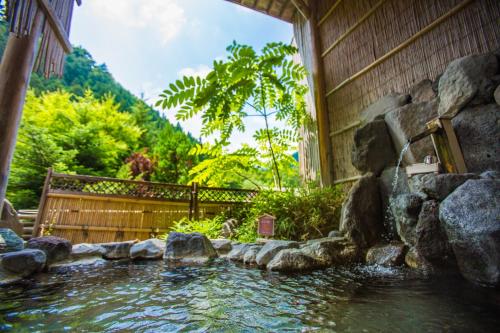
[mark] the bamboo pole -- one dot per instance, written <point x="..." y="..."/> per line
<point x="325" y="149"/>
<point x="15" y="72"/>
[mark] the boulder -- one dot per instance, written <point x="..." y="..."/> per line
<point x="12" y="242"/>
<point x="222" y="246"/>
<point x="25" y="262"/>
<point x="149" y="249"/>
<point x="189" y="248"/>
<point x="271" y="248"/>
<point x="361" y="219"/>
<point x="414" y="260"/>
<point x="292" y="260"/>
<point x="405" y="210"/>
<point x="431" y="241"/>
<point x="496" y="95"/>
<point x="389" y="255"/>
<point x="438" y="186"/>
<point x="422" y="92"/>
<point x="372" y="150"/>
<point x="8" y="218"/>
<point x="471" y="220"/>
<point x="477" y="131"/>
<point x="55" y="248"/>
<point x="83" y="250"/>
<point x="408" y="121"/>
<point x="465" y="79"/>
<point x="331" y="251"/>
<point x="117" y="250"/>
<point x="382" y="106"/>
<point x="390" y="186"/>
<point x="238" y="251"/>
<point x="250" y="256"/>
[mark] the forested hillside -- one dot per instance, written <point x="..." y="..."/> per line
<point x="87" y="123"/>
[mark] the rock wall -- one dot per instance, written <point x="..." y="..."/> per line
<point x="445" y="221"/>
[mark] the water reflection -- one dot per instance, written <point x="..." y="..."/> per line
<point x="152" y="297"/>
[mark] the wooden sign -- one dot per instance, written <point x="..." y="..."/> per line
<point x="266" y="225"/>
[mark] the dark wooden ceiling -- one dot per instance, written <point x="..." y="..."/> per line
<point x="281" y="9"/>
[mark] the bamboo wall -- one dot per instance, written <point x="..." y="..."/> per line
<point x="87" y="209"/>
<point x="362" y="33"/>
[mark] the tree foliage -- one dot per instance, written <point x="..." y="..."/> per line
<point x="245" y="84"/>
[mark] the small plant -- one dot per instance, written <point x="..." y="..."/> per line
<point x="211" y="228"/>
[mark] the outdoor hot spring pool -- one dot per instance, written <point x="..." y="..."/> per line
<point x="225" y="297"/>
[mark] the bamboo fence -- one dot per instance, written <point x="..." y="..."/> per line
<point x="370" y="48"/>
<point x="97" y="209"/>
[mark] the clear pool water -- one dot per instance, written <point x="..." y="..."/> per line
<point x="224" y="297"/>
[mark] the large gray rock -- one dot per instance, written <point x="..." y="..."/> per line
<point x="405" y="210"/>
<point x="222" y="246"/>
<point x="292" y="260"/>
<point x="250" y="256"/>
<point x="388" y="189"/>
<point x="382" y="106"/>
<point x="69" y="264"/>
<point x="189" y="248"/>
<point x="478" y="133"/>
<point x="238" y="251"/>
<point x="471" y="220"/>
<point x="438" y="186"/>
<point x="25" y="262"/>
<point x="496" y="95"/>
<point x="271" y="248"/>
<point x="12" y="242"/>
<point x="55" y="248"/>
<point x="83" y="250"/>
<point x="490" y="174"/>
<point x="372" y="150"/>
<point x="117" y="250"/>
<point x="362" y="220"/>
<point x="422" y="91"/>
<point x="408" y="121"/>
<point x="332" y="251"/>
<point x="431" y="241"/>
<point x="388" y="255"/>
<point x="8" y="218"/>
<point x="465" y="79"/>
<point x="149" y="249"/>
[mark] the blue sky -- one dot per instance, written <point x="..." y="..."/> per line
<point x="147" y="44"/>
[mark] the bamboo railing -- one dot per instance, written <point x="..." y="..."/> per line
<point x="99" y="209"/>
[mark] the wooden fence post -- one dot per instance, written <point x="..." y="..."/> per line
<point x="196" y="205"/>
<point x="41" y="207"/>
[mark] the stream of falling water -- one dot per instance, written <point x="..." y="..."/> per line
<point x="389" y="217"/>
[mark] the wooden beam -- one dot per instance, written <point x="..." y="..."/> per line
<point x="56" y="25"/>
<point x="401" y="46"/>
<point x="15" y="72"/>
<point x="354" y="27"/>
<point x="303" y="8"/>
<point x="330" y="11"/>
<point x="346" y="128"/>
<point x="325" y="149"/>
<point x="97" y="228"/>
<point x="346" y="180"/>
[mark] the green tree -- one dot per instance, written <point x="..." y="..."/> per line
<point x="245" y="84"/>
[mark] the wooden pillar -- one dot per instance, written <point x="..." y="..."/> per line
<point x="325" y="146"/>
<point x="15" y="72"/>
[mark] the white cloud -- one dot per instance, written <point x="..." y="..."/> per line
<point x="165" y="16"/>
<point x="201" y="71"/>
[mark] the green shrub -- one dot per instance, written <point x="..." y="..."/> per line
<point x="300" y="215"/>
<point x="209" y="227"/>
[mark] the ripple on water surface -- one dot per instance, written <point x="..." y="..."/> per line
<point x="153" y="297"/>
